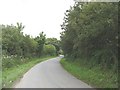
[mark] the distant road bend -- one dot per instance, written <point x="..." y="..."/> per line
<point x="49" y="74"/>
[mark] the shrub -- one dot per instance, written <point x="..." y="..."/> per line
<point x="49" y="50"/>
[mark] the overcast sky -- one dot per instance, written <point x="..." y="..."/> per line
<point x="36" y="15"/>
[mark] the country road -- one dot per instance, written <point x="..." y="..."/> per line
<point x="49" y="74"/>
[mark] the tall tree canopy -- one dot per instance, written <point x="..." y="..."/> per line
<point x="14" y="42"/>
<point x="54" y="42"/>
<point x="90" y="31"/>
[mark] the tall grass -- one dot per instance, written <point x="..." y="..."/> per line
<point x="94" y="76"/>
<point x="12" y="73"/>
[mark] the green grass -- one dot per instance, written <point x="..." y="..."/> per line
<point x="11" y="75"/>
<point x="0" y="79"/>
<point x="94" y="76"/>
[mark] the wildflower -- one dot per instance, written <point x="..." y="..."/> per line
<point x="11" y="81"/>
<point x="21" y="60"/>
<point x="4" y="85"/>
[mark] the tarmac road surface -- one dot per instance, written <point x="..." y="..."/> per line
<point x="49" y="74"/>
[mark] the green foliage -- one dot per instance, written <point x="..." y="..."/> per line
<point x="49" y="50"/>
<point x="19" y="52"/>
<point x="12" y="61"/>
<point x="54" y="42"/>
<point x="18" y="48"/>
<point x="95" y="77"/>
<point x="91" y="31"/>
<point x="41" y="41"/>
<point x="15" y="43"/>
<point x="10" y="75"/>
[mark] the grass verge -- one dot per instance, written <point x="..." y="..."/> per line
<point x="0" y="79"/>
<point x="94" y="76"/>
<point x="11" y="75"/>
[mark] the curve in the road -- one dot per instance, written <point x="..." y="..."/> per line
<point x="49" y="74"/>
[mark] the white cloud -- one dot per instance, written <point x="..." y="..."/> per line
<point x="36" y="15"/>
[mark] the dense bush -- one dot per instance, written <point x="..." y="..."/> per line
<point x="55" y="43"/>
<point x="49" y="50"/>
<point x="12" y="61"/>
<point x="14" y="42"/>
<point x="91" y="33"/>
<point x="18" y="48"/>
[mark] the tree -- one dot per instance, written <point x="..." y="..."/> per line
<point x="20" y="26"/>
<point x="41" y="41"/>
<point x="54" y="42"/>
<point x="11" y="38"/>
<point x="15" y="43"/>
<point x="90" y="31"/>
<point x="49" y="50"/>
